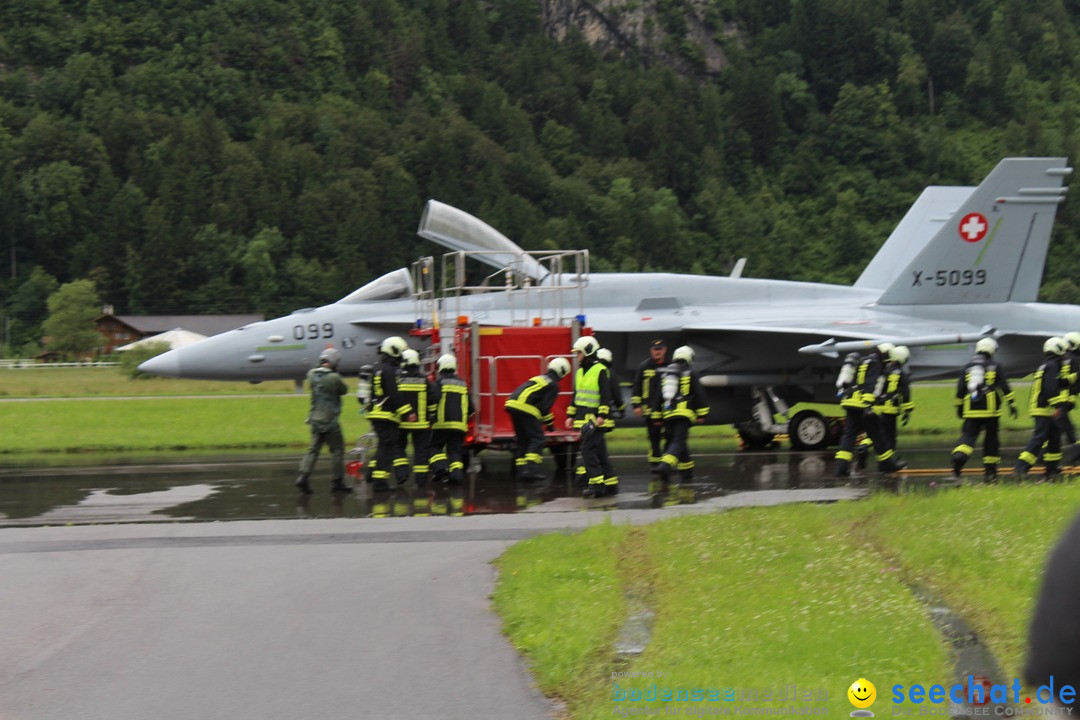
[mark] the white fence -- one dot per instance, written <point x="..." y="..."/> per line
<point x="31" y="363"/>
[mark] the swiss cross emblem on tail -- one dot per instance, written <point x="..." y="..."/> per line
<point x="973" y="227"/>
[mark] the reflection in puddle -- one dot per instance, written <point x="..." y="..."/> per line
<point x="256" y="487"/>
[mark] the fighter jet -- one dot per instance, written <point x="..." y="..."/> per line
<point x="964" y="262"/>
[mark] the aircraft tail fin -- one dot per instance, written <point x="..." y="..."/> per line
<point x="993" y="247"/>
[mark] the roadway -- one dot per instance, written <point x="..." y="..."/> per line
<point x="314" y="618"/>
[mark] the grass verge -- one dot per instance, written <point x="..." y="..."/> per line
<point x="809" y="595"/>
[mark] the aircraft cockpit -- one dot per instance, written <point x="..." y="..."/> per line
<point x="395" y="285"/>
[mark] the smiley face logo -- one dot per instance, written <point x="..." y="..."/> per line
<point x="862" y="693"/>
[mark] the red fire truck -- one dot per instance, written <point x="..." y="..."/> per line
<point x="495" y="359"/>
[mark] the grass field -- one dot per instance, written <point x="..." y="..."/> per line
<point x="813" y="595"/>
<point x="98" y="412"/>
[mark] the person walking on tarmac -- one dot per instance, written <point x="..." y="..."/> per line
<point x="682" y="403"/>
<point x="1049" y="395"/>
<point x="645" y="396"/>
<point x="327" y="387"/>
<point x="981" y="392"/>
<point x="422" y="395"/>
<point x="895" y="403"/>
<point x="859" y="395"/>
<point x="588" y="411"/>
<point x="530" y="406"/>
<point x="450" y="423"/>
<point x="388" y="409"/>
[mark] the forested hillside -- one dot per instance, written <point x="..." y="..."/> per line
<point x="264" y="155"/>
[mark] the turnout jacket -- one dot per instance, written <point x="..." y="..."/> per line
<point x="645" y="391"/>
<point x="680" y="394"/>
<point x="386" y="402"/>
<point x="897" y="397"/>
<point x="454" y="405"/>
<point x="420" y="393"/>
<point x="989" y="398"/>
<point x="1048" y="389"/>
<point x="869" y="385"/>
<point x="535" y="397"/>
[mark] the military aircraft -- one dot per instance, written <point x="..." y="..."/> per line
<point x="963" y="262"/>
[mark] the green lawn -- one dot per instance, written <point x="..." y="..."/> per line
<point x="198" y="414"/>
<point x="813" y="595"/>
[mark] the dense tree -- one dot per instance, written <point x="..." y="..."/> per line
<point x="194" y="157"/>
<point x="70" y="325"/>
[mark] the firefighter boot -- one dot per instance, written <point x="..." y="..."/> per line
<point x="958" y="462"/>
<point x="339" y="486"/>
<point x="990" y="472"/>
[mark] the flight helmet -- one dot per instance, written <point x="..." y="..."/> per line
<point x="330" y="356"/>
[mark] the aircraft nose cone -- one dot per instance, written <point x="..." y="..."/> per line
<point x="167" y="364"/>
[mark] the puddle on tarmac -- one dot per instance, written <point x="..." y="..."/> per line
<point x="100" y="488"/>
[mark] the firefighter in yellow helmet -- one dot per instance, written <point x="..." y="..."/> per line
<point x="588" y="411"/>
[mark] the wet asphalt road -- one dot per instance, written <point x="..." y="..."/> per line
<point x="112" y="611"/>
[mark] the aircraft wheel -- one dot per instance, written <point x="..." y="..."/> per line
<point x="808" y="430"/>
<point x="753" y="437"/>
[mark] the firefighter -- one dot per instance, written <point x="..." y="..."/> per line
<point x="450" y="423"/>
<point x="530" y="406"/>
<point x="422" y="395"/>
<point x="1049" y="395"/>
<point x="645" y="394"/>
<point x="388" y="409"/>
<point x="327" y="387"/>
<point x="981" y="392"/>
<point x="859" y="395"/>
<point x="681" y="403"/>
<point x="588" y="411"/>
<point x="896" y="402"/>
<point x="618" y="406"/>
<point x="896" y="405"/>
<point x="1070" y="370"/>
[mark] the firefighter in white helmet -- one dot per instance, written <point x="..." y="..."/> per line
<point x="388" y="409"/>
<point x="451" y="422"/>
<point x="588" y="411"/>
<point x="1049" y="393"/>
<point x="682" y="403"/>
<point x="982" y="392"/>
<point x="858" y="400"/>
<point x="529" y="406"/>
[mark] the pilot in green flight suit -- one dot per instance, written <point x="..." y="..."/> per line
<point x="327" y="387"/>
